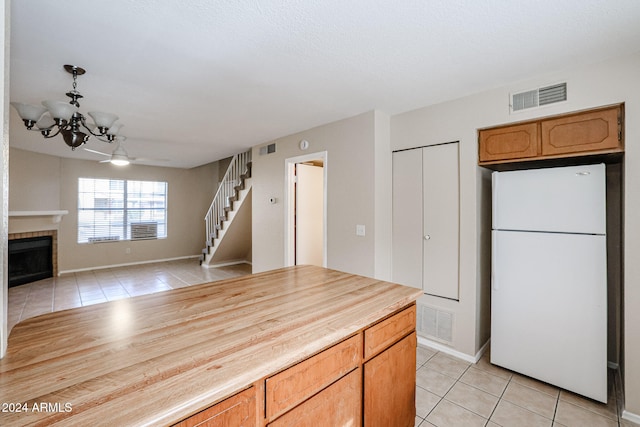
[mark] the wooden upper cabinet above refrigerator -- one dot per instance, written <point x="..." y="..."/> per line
<point x="598" y="131"/>
<point x="426" y="219"/>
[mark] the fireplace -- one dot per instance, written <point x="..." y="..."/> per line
<point x="32" y="256"/>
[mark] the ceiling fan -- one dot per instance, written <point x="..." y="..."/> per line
<point x="119" y="156"/>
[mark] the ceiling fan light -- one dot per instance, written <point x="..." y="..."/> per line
<point x="60" y="110"/>
<point x="29" y="112"/>
<point x="119" y="160"/>
<point x="103" y="120"/>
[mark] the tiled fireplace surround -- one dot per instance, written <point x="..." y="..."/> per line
<point x="43" y="233"/>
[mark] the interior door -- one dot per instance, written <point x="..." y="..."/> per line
<point x="309" y="227"/>
<point x="441" y="213"/>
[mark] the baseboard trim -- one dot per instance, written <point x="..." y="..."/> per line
<point x="104" y="267"/>
<point x="448" y="350"/>
<point x="630" y="416"/>
<point x="228" y="263"/>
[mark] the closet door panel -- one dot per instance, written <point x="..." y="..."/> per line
<point x="441" y="207"/>
<point x="407" y="218"/>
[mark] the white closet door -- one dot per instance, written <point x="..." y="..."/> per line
<point x="441" y="207"/>
<point x="407" y="218"/>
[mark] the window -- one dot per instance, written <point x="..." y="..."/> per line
<point x="112" y="209"/>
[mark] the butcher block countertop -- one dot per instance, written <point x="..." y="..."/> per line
<point x="156" y="359"/>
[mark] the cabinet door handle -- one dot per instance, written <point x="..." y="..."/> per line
<point x="427" y="237"/>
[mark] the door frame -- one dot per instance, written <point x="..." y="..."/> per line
<point x="289" y="204"/>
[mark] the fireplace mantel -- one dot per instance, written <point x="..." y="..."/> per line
<point x="27" y="221"/>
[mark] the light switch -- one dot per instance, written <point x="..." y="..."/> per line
<point x="360" y="230"/>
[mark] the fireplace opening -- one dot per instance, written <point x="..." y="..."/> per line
<point x="30" y="259"/>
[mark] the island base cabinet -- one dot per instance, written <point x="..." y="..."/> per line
<point x="390" y="386"/>
<point x="238" y="410"/>
<point x="340" y="404"/>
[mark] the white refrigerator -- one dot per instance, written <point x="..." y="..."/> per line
<point x="549" y="276"/>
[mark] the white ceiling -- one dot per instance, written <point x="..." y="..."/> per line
<point x="199" y="80"/>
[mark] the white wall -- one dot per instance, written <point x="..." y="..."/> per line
<point x="351" y="194"/>
<point x="606" y="83"/>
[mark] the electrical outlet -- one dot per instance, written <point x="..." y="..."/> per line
<point x="360" y="230"/>
<point x="127" y="251"/>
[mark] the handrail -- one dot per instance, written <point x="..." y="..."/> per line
<point x="226" y="194"/>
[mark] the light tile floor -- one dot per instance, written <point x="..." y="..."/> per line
<point x="96" y="286"/>
<point x="449" y="391"/>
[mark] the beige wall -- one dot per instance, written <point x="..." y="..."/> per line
<point x="42" y="182"/>
<point x="350" y="146"/>
<point x="606" y="83"/>
<point x="34" y="180"/>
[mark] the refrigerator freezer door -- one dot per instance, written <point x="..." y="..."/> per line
<point x="551" y="323"/>
<point x="567" y="199"/>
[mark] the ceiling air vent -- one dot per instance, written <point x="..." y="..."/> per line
<point x="538" y="97"/>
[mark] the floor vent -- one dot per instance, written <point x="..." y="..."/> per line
<point x="434" y="323"/>
<point x="539" y="97"/>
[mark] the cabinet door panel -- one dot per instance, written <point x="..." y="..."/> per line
<point x="584" y="132"/>
<point x="238" y="410"/>
<point x="390" y="386"/>
<point x="510" y="142"/>
<point x="340" y="404"/>
<point x="441" y="220"/>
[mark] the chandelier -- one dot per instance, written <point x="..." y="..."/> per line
<point x="60" y="117"/>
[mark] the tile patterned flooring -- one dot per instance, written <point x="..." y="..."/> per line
<point x="95" y="286"/>
<point x="449" y="391"/>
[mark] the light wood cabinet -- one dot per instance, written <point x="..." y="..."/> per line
<point x="340" y="404"/>
<point x="328" y="388"/>
<point x="583" y="133"/>
<point x="296" y="384"/>
<point x="238" y="410"/>
<point x="385" y="333"/>
<point x="510" y="142"/>
<point x="599" y="131"/>
<point x="390" y="387"/>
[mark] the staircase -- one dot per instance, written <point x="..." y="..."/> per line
<point x="229" y="216"/>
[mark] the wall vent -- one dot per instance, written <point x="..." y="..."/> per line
<point x="435" y="324"/>
<point x="144" y="230"/>
<point x="539" y="97"/>
<point x="268" y="149"/>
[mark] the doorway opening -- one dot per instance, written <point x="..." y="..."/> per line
<point x="306" y="210"/>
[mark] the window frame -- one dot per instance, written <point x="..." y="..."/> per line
<point x="132" y="191"/>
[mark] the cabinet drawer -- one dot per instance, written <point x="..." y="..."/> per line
<point x="383" y="334"/>
<point x="238" y="410"/>
<point x="510" y="142"/>
<point x="340" y="404"/>
<point x="292" y="386"/>
<point x="582" y="133"/>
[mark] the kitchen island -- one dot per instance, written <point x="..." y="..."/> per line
<point x="300" y="345"/>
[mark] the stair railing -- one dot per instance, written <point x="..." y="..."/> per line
<point x="226" y="194"/>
